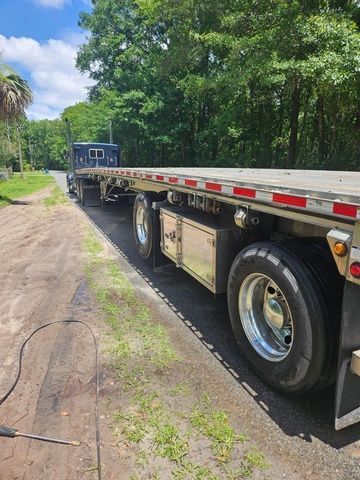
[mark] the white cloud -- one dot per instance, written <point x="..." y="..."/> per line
<point x="52" y="3"/>
<point x="55" y="81"/>
<point x="59" y="3"/>
<point x="74" y="38"/>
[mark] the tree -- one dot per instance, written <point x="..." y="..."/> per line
<point x="15" y="94"/>
<point x="271" y="83"/>
<point x="45" y="143"/>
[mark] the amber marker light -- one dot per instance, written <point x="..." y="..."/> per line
<point x="340" y="249"/>
<point x="355" y="269"/>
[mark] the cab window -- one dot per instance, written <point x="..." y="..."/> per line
<point x="96" y="153"/>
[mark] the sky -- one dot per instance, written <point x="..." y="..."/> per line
<point x="39" y="39"/>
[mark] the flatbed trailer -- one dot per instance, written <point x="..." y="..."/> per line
<point x="283" y="244"/>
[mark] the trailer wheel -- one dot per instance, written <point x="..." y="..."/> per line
<point x="279" y="316"/>
<point x="79" y="190"/>
<point x="315" y="252"/>
<point x="142" y="224"/>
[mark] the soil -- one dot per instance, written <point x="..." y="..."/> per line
<point x="41" y="272"/>
<point x="42" y="281"/>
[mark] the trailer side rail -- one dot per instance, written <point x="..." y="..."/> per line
<point x="340" y="205"/>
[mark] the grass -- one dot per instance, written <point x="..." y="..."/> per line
<point x="167" y="425"/>
<point x="135" y="334"/>
<point x="190" y="470"/>
<point x="170" y="444"/>
<point x="18" y="187"/>
<point x="252" y="460"/>
<point x="215" y="425"/>
<point x="57" y="197"/>
<point x="181" y="389"/>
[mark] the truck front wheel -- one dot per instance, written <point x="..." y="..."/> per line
<point x="280" y="316"/>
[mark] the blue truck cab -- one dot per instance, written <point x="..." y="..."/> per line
<point x="95" y="155"/>
<point x="89" y="155"/>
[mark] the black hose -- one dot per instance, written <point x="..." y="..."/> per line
<point x="13" y="386"/>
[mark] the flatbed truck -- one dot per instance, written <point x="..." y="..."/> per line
<point x="284" y="245"/>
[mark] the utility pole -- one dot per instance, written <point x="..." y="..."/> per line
<point x="69" y="139"/>
<point x="18" y="127"/>
<point x="30" y="153"/>
<point x="110" y="132"/>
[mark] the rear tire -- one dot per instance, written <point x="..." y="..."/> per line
<point x="281" y="317"/>
<point x="143" y="224"/>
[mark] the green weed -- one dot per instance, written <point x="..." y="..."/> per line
<point x="131" y="425"/>
<point x="18" y="187"/>
<point x="133" y="328"/>
<point x="255" y="459"/>
<point x="191" y="471"/>
<point x="56" y="198"/>
<point x="141" y="459"/>
<point x="181" y="389"/>
<point x="93" y="246"/>
<point x="134" y="476"/>
<point x="170" y="444"/>
<point x="215" y="425"/>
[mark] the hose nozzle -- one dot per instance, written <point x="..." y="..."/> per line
<point x="12" y="433"/>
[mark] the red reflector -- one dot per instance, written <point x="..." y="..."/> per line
<point x="190" y="183"/>
<point x="345" y="209"/>
<point x="173" y="180"/>
<point x="244" y="192"/>
<point x="159" y="177"/>
<point x="148" y="176"/>
<point x="289" y="200"/>
<point x="355" y="269"/>
<point x="213" y="186"/>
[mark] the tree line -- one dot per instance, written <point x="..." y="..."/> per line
<point x="265" y="83"/>
<point x="231" y="83"/>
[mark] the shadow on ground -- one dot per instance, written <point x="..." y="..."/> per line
<point x="206" y="315"/>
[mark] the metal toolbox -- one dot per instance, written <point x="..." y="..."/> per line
<point x="198" y="246"/>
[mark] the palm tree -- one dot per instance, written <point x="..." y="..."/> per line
<point x="15" y="96"/>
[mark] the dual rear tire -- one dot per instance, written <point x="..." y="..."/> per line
<point x="284" y="302"/>
<point x="143" y="224"/>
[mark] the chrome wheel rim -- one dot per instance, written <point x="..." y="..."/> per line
<point x="141" y="225"/>
<point x="266" y="317"/>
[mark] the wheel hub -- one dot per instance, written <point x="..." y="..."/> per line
<point x="273" y="313"/>
<point x="141" y="225"/>
<point x="265" y="317"/>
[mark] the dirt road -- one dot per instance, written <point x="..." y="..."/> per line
<point x="42" y="280"/>
<point x="40" y="276"/>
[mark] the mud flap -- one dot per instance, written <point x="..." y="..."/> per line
<point x="91" y="195"/>
<point x="347" y="401"/>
